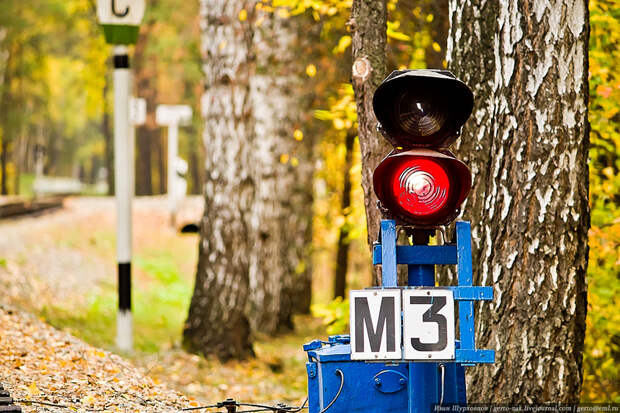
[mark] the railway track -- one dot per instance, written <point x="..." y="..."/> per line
<point x="6" y="402"/>
<point x="18" y="207"/>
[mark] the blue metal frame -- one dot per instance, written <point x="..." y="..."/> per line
<point x="420" y="260"/>
<point x="402" y="385"/>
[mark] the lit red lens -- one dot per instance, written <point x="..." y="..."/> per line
<point x="421" y="186"/>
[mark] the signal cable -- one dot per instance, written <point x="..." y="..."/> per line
<point x="338" y="371"/>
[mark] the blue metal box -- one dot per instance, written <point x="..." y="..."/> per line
<point x="338" y="384"/>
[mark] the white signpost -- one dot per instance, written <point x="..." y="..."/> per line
<point x="427" y="324"/>
<point x="173" y="116"/>
<point x="120" y="20"/>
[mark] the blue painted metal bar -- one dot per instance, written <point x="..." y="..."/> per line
<point x="474" y="356"/>
<point x="423" y="385"/>
<point x="420" y="254"/>
<point x="421" y="275"/>
<point x="465" y="278"/>
<point x="470" y="293"/>
<point x="388" y="253"/>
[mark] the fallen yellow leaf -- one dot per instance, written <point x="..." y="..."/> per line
<point x="33" y="390"/>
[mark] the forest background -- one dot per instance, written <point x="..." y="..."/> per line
<point x="55" y="91"/>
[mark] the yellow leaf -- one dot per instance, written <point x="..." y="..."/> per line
<point x="436" y="47"/>
<point x="294" y="161"/>
<point x="33" y="390"/>
<point x="283" y="13"/>
<point x="311" y="70"/>
<point x="284" y="158"/>
<point x="429" y="18"/>
<point x="298" y="135"/>
<point x="243" y="15"/>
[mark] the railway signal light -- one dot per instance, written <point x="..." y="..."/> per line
<point x="421" y="112"/>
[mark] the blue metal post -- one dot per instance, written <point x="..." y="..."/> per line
<point x="388" y="253"/>
<point x="423" y="378"/>
<point x="464" y="274"/>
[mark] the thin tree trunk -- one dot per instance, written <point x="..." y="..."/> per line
<point x="217" y="322"/>
<point x="146" y="86"/>
<point x="3" y="165"/>
<point x="527" y="146"/>
<point x="439" y="34"/>
<point x="162" y="150"/>
<point x="4" y="110"/>
<point x="368" y="24"/>
<point x="18" y="159"/>
<point x="342" y="254"/>
<point x="194" y="169"/>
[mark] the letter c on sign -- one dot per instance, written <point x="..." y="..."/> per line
<point x="117" y="14"/>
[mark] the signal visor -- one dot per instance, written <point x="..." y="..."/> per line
<point x="422" y="108"/>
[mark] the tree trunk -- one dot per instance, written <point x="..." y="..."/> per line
<point x="342" y="254"/>
<point x="146" y="86"/>
<point x="162" y="152"/>
<point x="4" y="123"/>
<point x="368" y="25"/>
<point x="439" y="33"/>
<point x="3" y="165"/>
<point x="195" y="175"/>
<point x="217" y="322"/>
<point x="527" y="147"/>
<point x="282" y="171"/>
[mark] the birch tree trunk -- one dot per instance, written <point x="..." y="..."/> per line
<point x="256" y="228"/>
<point x="527" y="146"/>
<point x="368" y="25"/>
<point x="282" y="171"/>
<point x="217" y="322"/>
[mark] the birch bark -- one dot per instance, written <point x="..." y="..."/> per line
<point x="527" y="146"/>
<point x="282" y="170"/>
<point x="217" y="322"/>
<point x="253" y="265"/>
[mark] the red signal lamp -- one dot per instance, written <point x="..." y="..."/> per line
<point x="422" y="108"/>
<point x="421" y="187"/>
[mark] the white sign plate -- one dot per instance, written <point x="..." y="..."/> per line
<point x="170" y="115"/>
<point x="120" y="12"/>
<point x="428" y="318"/>
<point x="375" y="325"/>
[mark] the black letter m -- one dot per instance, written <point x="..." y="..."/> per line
<point x="363" y="319"/>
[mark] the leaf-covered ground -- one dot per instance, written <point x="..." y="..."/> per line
<point x="61" y="267"/>
<point x="48" y="367"/>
